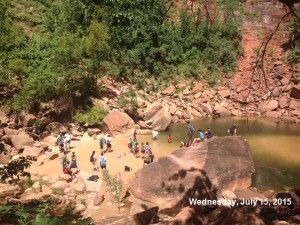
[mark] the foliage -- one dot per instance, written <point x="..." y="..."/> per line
<point x="60" y="48"/>
<point x="58" y="192"/>
<point x="40" y="214"/>
<point x="294" y="54"/>
<point x="16" y="168"/>
<point x="128" y="99"/>
<point x="114" y="186"/>
<point x="93" y="116"/>
<point x="27" y="183"/>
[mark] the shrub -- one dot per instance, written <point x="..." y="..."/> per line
<point x="93" y="116"/>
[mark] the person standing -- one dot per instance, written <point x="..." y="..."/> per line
<point x="60" y="142"/>
<point x="232" y="129"/>
<point x="74" y="162"/>
<point x="108" y="141"/>
<point x="67" y="140"/>
<point x="101" y="142"/>
<point x="93" y="160"/>
<point x="191" y="131"/>
<point x="64" y="159"/>
<point x="103" y="162"/>
<point x="170" y="138"/>
<point x="154" y="134"/>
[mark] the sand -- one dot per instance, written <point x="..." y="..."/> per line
<point x="84" y="147"/>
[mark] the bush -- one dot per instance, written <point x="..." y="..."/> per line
<point x="94" y="116"/>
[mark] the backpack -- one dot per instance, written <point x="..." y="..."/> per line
<point x="102" y="141"/>
<point x="191" y="129"/>
<point x="103" y="161"/>
<point x="93" y="178"/>
<point x="91" y="158"/>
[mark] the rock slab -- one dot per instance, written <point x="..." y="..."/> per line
<point x="216" y="163"/>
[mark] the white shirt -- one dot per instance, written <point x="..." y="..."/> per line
<point x="67" y="137"/>
<point x="154" y="133"/>
<point x="108" y="139"/>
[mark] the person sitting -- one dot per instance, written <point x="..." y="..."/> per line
<point x="148" y="158"/>
<point x="200" y="138"/>
<point x="184" y="142"/>
<point x="170" y="139"/>
<point x="209" y="133"/>
<point x="67" y="170"/>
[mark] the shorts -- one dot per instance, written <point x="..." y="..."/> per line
<point x="108" y="145"/>
<point x="103" y="166"/>
<point x="69" y="141"/>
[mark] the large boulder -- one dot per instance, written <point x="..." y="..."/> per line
<point x="197" y="171"/>
<point x="151" y="110"/>
<point x="268" y="105"/>
<point x="206" y="107"/>
<point x="221" y="110"/>
<point x="119" y="122"/>
<point x="22" y="140"/>
<point x="161" y="120"/>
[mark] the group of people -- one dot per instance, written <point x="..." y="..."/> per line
<point x="64" y="141"/>
<point x="186" y="142"/>
<point x="105" y="140"/>
<point x="69" y="165"/>
<point x="143" y="151"/>
<point x="102" y="162"/>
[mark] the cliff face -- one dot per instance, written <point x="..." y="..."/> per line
<point x="197" y="171"/>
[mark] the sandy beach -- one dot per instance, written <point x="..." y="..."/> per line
<point x="83" y="148"/>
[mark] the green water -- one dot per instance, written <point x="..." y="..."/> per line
<point x="275" y="147"/>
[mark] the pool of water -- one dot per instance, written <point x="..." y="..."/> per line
<point x="275" y="147"/>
